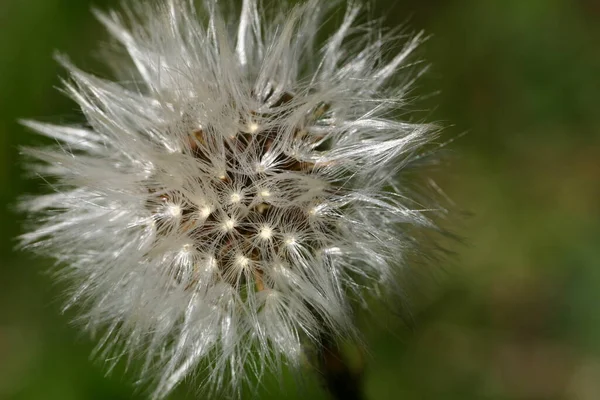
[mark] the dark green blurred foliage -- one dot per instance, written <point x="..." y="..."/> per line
<point x="511" y="316"/>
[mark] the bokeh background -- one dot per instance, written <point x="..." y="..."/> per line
<point x="513" y="314"/>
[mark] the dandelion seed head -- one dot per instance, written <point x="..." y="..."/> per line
<point x="238" y="194"/>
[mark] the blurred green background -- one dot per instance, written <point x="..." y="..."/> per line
<point x="514" y="315"/>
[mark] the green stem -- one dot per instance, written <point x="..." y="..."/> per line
<point x="343" y="382"/>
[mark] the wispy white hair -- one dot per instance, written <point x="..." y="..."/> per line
<point x="235" y="192"/>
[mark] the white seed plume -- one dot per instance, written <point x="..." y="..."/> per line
<point x="230" y="197"/>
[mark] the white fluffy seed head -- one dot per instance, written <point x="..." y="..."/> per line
<point x="237" y="195"/>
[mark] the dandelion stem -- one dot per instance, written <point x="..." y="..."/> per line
<point x="343" y="381"/>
